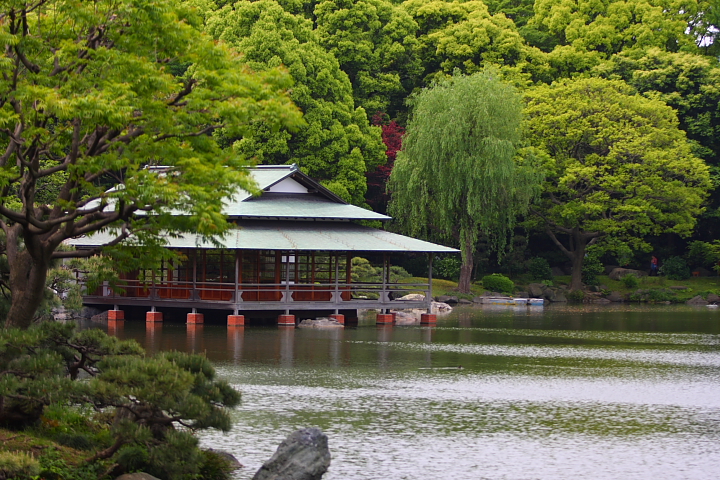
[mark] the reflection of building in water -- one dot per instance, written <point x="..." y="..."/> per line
<point x="235" y="339"/>
<point x="115" y="328"/>
<point x="287" y="346"/>
<point x="336" y="346"/>
<point x="291" y="252"/>
<point x="195" y="338"/>
<point x="153" y="333"/>
<point x="385" y="335"/>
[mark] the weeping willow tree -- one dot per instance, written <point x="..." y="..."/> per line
<point x="457" y="175"/>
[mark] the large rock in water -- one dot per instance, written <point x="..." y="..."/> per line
<point x="303" y="455"/>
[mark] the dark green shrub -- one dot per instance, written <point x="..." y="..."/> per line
<point x="661" y="296"/>
<point x="539" y="269"/>
<point x="447" y="268"/>
<point x="498" y="283"/>
<point x="630" y="281"/>
<point x="215" y="467"/>
<point x="700" y="254"/>
<point x="74" y="440"/>
<point x="576" y="296"/>
<point x="675" y="268"/>
<point x="592" y="267"/>
<point x="133" y="458"/>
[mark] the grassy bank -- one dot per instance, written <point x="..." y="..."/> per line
<point x="29" y="455"/>
<point x="657" y="289"/>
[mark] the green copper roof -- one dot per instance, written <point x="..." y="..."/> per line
<point x="307" y="206"/>
<point x="307" y="236"/>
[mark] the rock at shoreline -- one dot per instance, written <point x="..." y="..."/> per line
<point x="228" y="457"/>
<point x="137" y="476"/>
<point x="415" y="297"/>
<point x="556" y="297"/>
<point x="619" y="273"/>
<point x="536" y="290"/>
<point x="615" y="297"/>
<point x="303" y="455"/>
<point x="440" y="308"/>
<point x="406" y="318"/>
<point x="100" y="317"/>
<point x="447" y="299"/>
<point x="697" y="300"/>
<point x="321" y="322"/>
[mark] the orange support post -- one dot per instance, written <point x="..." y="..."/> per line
<point x="384" y="319"/>
<point x="286" y="320"/>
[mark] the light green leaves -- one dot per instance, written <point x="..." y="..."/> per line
<point x="617" y="163"/>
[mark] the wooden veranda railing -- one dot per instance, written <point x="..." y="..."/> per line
<point x="283" y="295"/>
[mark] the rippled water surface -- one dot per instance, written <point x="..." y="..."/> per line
<point x="562" y="393"/>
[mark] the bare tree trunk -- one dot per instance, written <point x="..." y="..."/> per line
<point x="576" y="252"/>
<point x="27" y="281"/>
<point x="466" y="268"/>
<point x="578" y="257"/>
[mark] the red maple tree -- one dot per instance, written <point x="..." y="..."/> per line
<point x="392" y="134"/>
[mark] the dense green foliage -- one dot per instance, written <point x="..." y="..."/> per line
<point x="95" y="92"/>
<point x="147" y="406"/>
<point x="469" y="182"/>
<point x="617" y="167"/>
<point x="539" y="269"/>
<point x="89" y="98"/>
<point x="675" y="268"/>
<point x="337" y="145"/>
<point x="592" y="267"/>
<point x="498" y="283"/>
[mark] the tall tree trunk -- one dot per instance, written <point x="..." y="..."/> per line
<point x="27" y="280"/>
<point x="575" y="252"/>
<point x="467" y="247"/>
<point x="578" y="258"/>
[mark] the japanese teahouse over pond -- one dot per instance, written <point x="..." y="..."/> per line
<point x="288" y="257"/>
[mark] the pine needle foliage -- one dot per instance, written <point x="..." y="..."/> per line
<point x="457" y="174"/>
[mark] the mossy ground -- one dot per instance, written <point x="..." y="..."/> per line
<point x="56" y="461"/>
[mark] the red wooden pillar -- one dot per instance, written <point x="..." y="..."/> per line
<point x="286" y="320"/>
<point x="195" y="318"/>
<point x="236" y="320"/>
<point x="153" y="316"/>
<point x="384" y="319"/>
<point x="338" y="317"/>
<point x="428" y="319"/>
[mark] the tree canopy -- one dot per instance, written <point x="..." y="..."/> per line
<point x="465" y="36"/>
<point x="94" y="93"/>
<point x="617" y="167"/>
<point x="456" y="175"/>
<point x="337" y="145"/>
<point x="375" y="43"/>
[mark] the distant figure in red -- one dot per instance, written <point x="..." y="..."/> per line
<point x="653" y="266"/>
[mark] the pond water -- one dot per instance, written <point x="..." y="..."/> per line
<point x="606" y="392"/>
